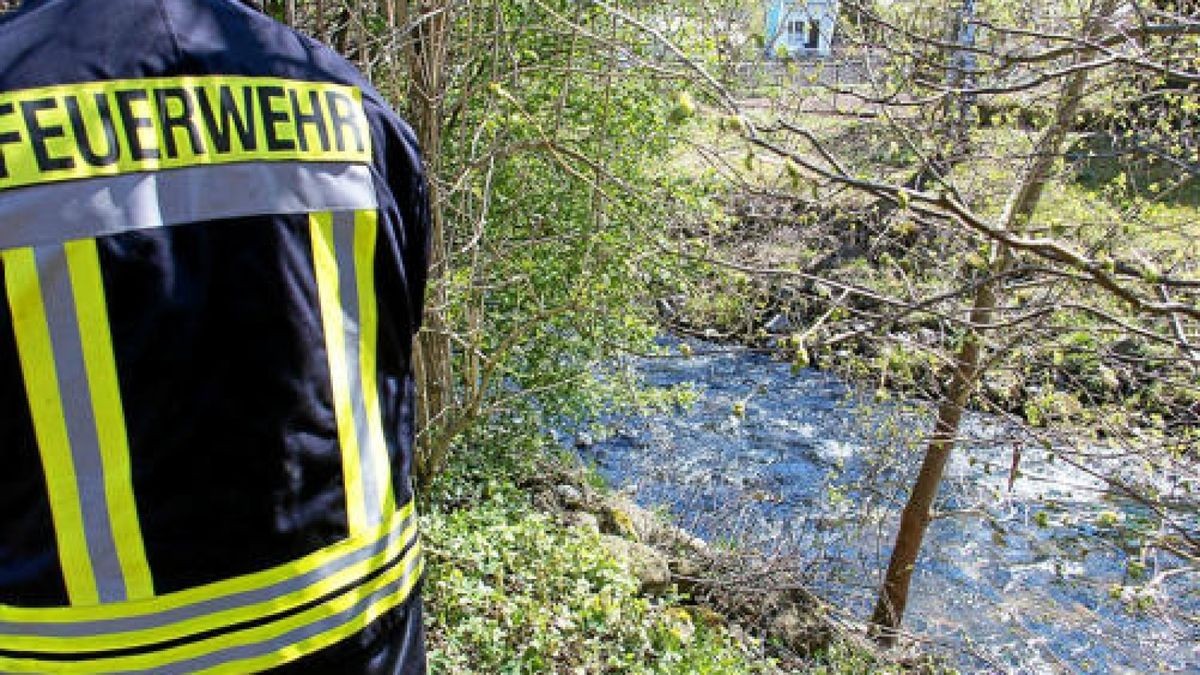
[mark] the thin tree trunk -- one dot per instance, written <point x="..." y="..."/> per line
<point x="958" y="117"/>
<point x="362" y="35"/>
<point x="914" y="520"/>
<point x="474" y="380"/>
<point x="428" y="51"/>
<point x="319" y="21"/>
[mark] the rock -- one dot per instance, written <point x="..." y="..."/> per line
<point x="786" y="624"/>
<point x="708" y="616"/>
<point x="568" y="495"/>
<point x="681" y="623"/>
<point x="624" y="518"/>
<point x="584" y="440"/>
<point x="617" y="521"/>
<point x="582" y="520"/>
<point x="800" y="630"/>
<point x="687" y="568"/>
<point x="687" y="573"/>
<point x="778" y="325"/>
<point x="544" y="502"/>
<point x="739" y="634"/>
<point x="646" y="564"/>
<point x="665" y="309"/>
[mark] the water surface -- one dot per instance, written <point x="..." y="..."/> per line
<point x="1049" y="574"/>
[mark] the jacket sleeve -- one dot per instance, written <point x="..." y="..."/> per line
<point x="406" y="179"/>
<point x="402" y="258"/>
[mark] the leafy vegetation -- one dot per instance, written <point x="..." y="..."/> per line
<point x="510" y="590"/>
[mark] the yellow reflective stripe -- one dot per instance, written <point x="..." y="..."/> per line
<point x="36" y="354"/>
<point x="215" y="620"/>
<point x="92" y="313"/>
<point x="366" y="227"/>
<point x="318" y="642"/>
<point x="113" y="127"/>
<point x="164" y="659"/>
<point x="326" y="267"/>
<point x="192" y="596"/>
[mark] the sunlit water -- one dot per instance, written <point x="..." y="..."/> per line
<point x="1011" y="579"/>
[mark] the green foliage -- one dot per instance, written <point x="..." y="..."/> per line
<point x="903" y="367"/>
<point x="568" y="212"/>
<point x="516" y="593"/>
<point x="553" y="278"/>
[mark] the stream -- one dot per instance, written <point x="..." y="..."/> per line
<point x="1042" y="571"/>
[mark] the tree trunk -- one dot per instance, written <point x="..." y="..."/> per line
<point x="319" y="21"/>
<point x="1023" y="201"/>
<point x="958" y="118"/>
<point x="958" y="108"/>
<point x="914" y="520"/>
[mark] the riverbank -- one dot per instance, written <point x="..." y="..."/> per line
<point x="880" y="290"/>
<point x="536" y="566"/>
<point x="1084" y="380"/>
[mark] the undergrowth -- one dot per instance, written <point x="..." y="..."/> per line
<point x="508" y="590"/>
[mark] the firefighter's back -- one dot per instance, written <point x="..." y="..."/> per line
<point x="212" y="240"/>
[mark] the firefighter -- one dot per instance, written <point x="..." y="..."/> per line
<point x="213" y="242"/>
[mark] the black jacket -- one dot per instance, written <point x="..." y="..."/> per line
<point x="213" y="236"/>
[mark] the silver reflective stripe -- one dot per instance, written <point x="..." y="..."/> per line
<point x="343" y="245"/>
<point x="75" y="391"/>
<point x="394" y="590"/>
<point x="202" y="608"/>
<point x="94" y="207"/>
<point x="273" y="641"/>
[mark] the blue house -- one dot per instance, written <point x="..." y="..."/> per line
<point x="801" y="27"/>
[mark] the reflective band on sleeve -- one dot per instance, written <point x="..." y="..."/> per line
<point x="271" y="643"/>
<point x="366" y="230"/>
<point x="343" y="257"/>
<point x="326" y="268"/>
<point x="79" y="422"/>
<point x="51" y="214"/>
<point x="114" y="127"/>
<point x="200" y="611"/>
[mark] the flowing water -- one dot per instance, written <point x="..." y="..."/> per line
<point x="1042" y="570"/>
